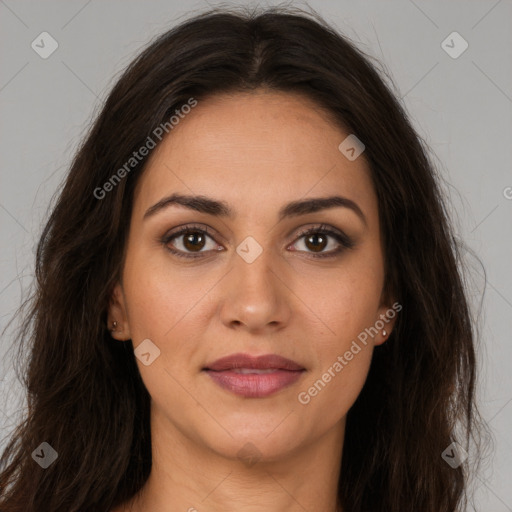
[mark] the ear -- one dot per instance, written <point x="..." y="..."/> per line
<point x="386" y="318"/>
<point x="117" y="313"/>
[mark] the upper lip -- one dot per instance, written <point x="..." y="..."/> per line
<point x="268" y="361"/>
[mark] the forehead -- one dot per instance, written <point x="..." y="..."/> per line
<point x="254" y="150"/>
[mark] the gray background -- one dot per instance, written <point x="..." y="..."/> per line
<point x="462" y="108"/>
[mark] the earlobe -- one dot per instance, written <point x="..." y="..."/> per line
<point x="117" y="319"/>
<point x="386" y="321"/>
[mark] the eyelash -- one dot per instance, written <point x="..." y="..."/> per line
<point x="344" y="241"/>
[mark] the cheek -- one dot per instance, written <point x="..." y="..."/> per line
<point x="343" y="362"/>
<point x="165" y="307"/>
<point x="160" y="299"/>
<point x="347" y="303"/>
<point x="332" y="390"/>
<point x="162" y="310"/>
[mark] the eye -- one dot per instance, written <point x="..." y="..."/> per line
<point x="316" y="239"/>
<point x="189" y="240"/>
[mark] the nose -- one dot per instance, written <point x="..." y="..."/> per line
<point x="255" y="296"/>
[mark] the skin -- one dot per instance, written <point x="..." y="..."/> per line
<point x="257" y="152"/>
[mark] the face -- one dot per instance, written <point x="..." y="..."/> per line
<point x="253" y="276"/>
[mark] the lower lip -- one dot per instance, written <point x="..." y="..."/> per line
<point x="254" y="385"/>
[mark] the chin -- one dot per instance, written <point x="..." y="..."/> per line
<point x="264" y="439"/>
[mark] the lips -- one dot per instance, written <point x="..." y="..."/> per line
<point x="254" y="377"/>
<point x="266" y="362"/>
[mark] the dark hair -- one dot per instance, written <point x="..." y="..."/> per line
<point x="85" y="394"/>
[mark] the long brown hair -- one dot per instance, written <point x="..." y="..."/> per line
<point x="85" y="394"/>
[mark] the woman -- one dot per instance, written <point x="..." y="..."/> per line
<point x="248" y="293"/>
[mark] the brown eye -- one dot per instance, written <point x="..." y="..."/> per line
<point x="193" y="241"/>
<point x="323" y="242"/>
<point x="189" y="242"/>
<point x="316" y="242"/>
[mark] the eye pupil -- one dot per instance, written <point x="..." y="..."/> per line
<point x="191" y="240"/>
<point x="316" y="237"/>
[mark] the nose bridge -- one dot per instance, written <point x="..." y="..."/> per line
<point x="253" y="266"/>
<point x="256" y="296"/>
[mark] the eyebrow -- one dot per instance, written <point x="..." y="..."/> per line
<point x="217" y="208"/>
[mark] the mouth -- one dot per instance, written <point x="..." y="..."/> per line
<point x="254" y="377"/>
